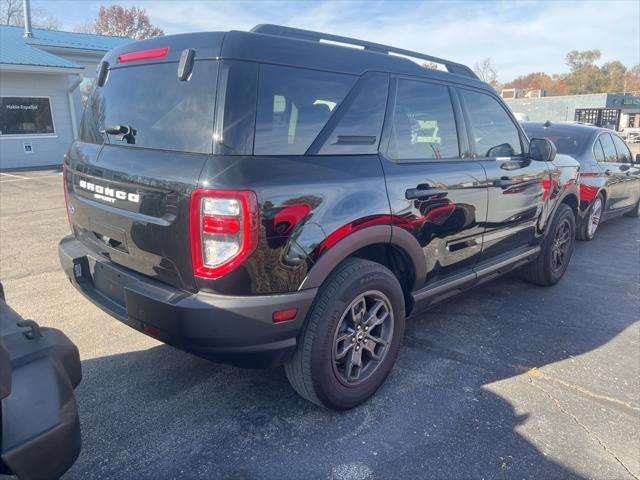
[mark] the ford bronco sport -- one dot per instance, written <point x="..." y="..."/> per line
<point x="278" y="197"/>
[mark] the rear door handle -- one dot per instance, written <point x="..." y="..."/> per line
<point x="415" y="193"/>
<point x="503" y="183"/>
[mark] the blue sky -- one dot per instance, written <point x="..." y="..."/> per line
<point x="520" y="37"/>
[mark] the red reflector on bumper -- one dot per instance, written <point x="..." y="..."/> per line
<point x="151" y="331"/>
<point x="284" y="315"/>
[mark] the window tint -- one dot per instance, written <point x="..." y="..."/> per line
<point x="568" y="141"/>
<point x="494" y="132"/>
<point x="236" y="108"/>
<point x="624" y="154"/>
<point x="358" y="129"/>
<point x="171" y="115"/>
<point x="422" y="123"/>
<point x="293" y="106"/>
<point x="597" y="151"/>
<point x="610" y="154"/>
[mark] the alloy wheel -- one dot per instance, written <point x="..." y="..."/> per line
<point x="560" y="246"/>
<point x="362" y="337"/>
<point x="594" y="217"/>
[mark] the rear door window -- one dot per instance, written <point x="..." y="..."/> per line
<point x="624" y="154"/>
<point x="493" y="131"/>
<point x="423" y="125"/>
<point x="610" y="154"/>
<point x="294" y="104"/>
<point x="166" y="113"/>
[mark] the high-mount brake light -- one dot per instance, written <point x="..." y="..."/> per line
<point x="224" y="230"/>
<point x="149" y="54"/>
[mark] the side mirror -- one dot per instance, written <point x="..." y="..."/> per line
<point x="542" y="150"/>
<point x="637" y="158"/>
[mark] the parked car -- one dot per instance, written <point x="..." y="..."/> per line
<point x="630" y="134"/>
<point x="277" y="199"/>
<point x="609" y="175"/>
<point x="39" y="369"/>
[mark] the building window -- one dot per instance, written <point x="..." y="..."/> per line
<point x="600" y="117"/>
<point x="25" y="116"/>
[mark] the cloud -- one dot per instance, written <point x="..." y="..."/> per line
<point x="520" y="37"/>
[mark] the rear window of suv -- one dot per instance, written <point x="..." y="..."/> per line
<point x="167" y="114"/>
<point x="294" y="104"/>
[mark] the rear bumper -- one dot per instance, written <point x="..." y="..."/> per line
<point x="234" y="330"/>
<point x="40" y="427"/>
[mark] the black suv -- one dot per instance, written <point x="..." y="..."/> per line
<point x="280" y="197"/>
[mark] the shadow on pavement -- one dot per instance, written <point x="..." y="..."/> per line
<point x="161" y="413"/>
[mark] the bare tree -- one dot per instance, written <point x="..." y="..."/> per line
<point x="47" y="23"/>
<point x="125" y="22"/>
<point x="11" y="12"/>
<point x="84" y="27"/>
<point x="486" y="72"/>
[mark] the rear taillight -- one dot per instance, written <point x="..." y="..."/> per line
<point x="66" y="195"/>
<point x="224" y="230"/>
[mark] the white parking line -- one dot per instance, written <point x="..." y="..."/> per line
<point x="9" y="179"/>
<point x="14" y="176"/>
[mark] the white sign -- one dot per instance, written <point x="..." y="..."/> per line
<point x="27" y="147"/>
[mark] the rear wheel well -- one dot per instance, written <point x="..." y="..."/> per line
<point x="396" y="260"/>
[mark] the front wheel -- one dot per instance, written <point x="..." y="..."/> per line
<point x="352" y="336"/>
<point x="549" y="267"/>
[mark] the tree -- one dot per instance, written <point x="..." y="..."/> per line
<point x="585" y="76"/>
<point x="486" y="72"/>
<point x="552" y="85"/>
<point x="84" y="27"/>
<point x="632" y="81"/>
<point x="125" y="22"/>
<point x="614" y="76"/>
<point x="11" y="12"/>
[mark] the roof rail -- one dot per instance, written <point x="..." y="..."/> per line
<point x="280" y="31"/>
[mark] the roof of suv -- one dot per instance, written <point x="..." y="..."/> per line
<point x="305" y="48"/>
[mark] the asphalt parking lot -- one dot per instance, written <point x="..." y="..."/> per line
<point x="510" y="381"/>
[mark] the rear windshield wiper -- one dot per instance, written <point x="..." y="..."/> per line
<point x="123" y="132"/>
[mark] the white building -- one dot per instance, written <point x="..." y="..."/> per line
<point x="41" y="79"/>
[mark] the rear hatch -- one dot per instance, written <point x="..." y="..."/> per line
<point x="144" y="139"/>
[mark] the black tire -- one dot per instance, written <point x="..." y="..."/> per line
<point x="544" y="270"/>
<point x="313" y="371"/>
<point x="635" y="213"/>
<point x="585" y="232"/>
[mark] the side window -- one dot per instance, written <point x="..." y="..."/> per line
<point x="494" y="132"/>
<point x="597" y="151"/>
<point x="422" y="123"/>
<point x="610" y="154"/>
<point x="357" y="130"/>
<point x="236" y="108"/>
<point x="293" y="106"/>
<point x="624" y="154"/>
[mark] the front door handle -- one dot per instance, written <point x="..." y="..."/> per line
<point x="415" y="193"/>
